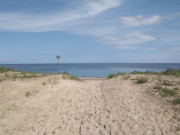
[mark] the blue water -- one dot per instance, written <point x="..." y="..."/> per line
<point x="93" y="69"/>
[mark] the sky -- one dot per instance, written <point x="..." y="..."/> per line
<point x="89" y="31"/>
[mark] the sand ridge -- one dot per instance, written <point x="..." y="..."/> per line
<point x="90" y="107"/>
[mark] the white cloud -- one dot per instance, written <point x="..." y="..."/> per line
<point x="126" y="40"/>
<point x="139" y="20"/>
<point x="57" y="21"/>
<point x="97" y="7"/>
<point x="83" y="20"/>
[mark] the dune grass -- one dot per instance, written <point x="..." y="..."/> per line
<point x="141" y="80"/>
<point x="125" y="77"/>
<point x="176" y="88"/>
<point x="167" y="83"/>
<point x="66" y="75"/>
<point x="165" y="91"/>
<point x="114" y="75"/>
<point x="146" y="72"/>
<point x="173" y="72"/>
<point x="3" y="70"/>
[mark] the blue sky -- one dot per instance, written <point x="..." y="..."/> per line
<point x="88" y="31"/>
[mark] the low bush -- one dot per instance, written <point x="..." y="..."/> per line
<point x="141" y="80"/>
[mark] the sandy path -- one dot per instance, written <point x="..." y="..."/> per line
<point x="137" y="112"/>
<point x="82" y="108"/>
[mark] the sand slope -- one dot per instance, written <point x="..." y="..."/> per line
<point x="63" y="107"/>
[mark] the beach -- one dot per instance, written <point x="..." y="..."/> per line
<point x="57" y="105"/>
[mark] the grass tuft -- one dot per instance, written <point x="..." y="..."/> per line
<point x="141" y="80"/>
<point x="176" y="88"/>
<point x="125" y="77"/>
<point x="114" y="75"/>
<point x="71" y="77"/>
<point x="44" y="83"/>
<point x="166" y="91"/>
<point x="167" y="83"/>
<point x="28" y="94"/>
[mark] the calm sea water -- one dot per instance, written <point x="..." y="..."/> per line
<point x="93" y="69"/>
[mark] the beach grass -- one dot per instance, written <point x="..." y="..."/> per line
<point x="3" y="69"/>
<point x="169" y="72"/>
<point x="165" y="91"/>
<point x="173" y="72"/>
<point x="167" y="83"/>
<point x="176" y="88"/>
<point x="141" y="80"/>
<point x="66" y="75"/>
<point x="114" y="75"/>
<point x="125" y="77"/>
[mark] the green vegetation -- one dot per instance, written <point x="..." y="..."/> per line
<point x="2" y="69"/>
<point x="125" y="77"/>
<point x="178" y="129"/>
<point x="30" y="75"/>
<point x="176" y="101"/>
<point x="178" y="83"/>
<point x="167" y="83"/>
<point x="44" y="83"/>
<point x="31" y="93"/>
<point x="147" y="72"/>
<point x="71" y="77"/>
<point x="28" y="94"/>
<point x="166" y="91"/>
<point x="1" y="80"/>
<point x="141" y="80"/>
<point x="176" y="88"/>
<point x="174" y="72"/>
<point x="114" y="75"/>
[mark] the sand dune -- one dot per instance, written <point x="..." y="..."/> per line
<point x="53" y="106"/>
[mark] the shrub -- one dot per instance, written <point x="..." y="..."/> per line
<point x="141" y="80"/>
<point x="111" y="76"/>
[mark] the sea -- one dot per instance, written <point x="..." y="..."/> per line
<point x="93" y="69"/>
